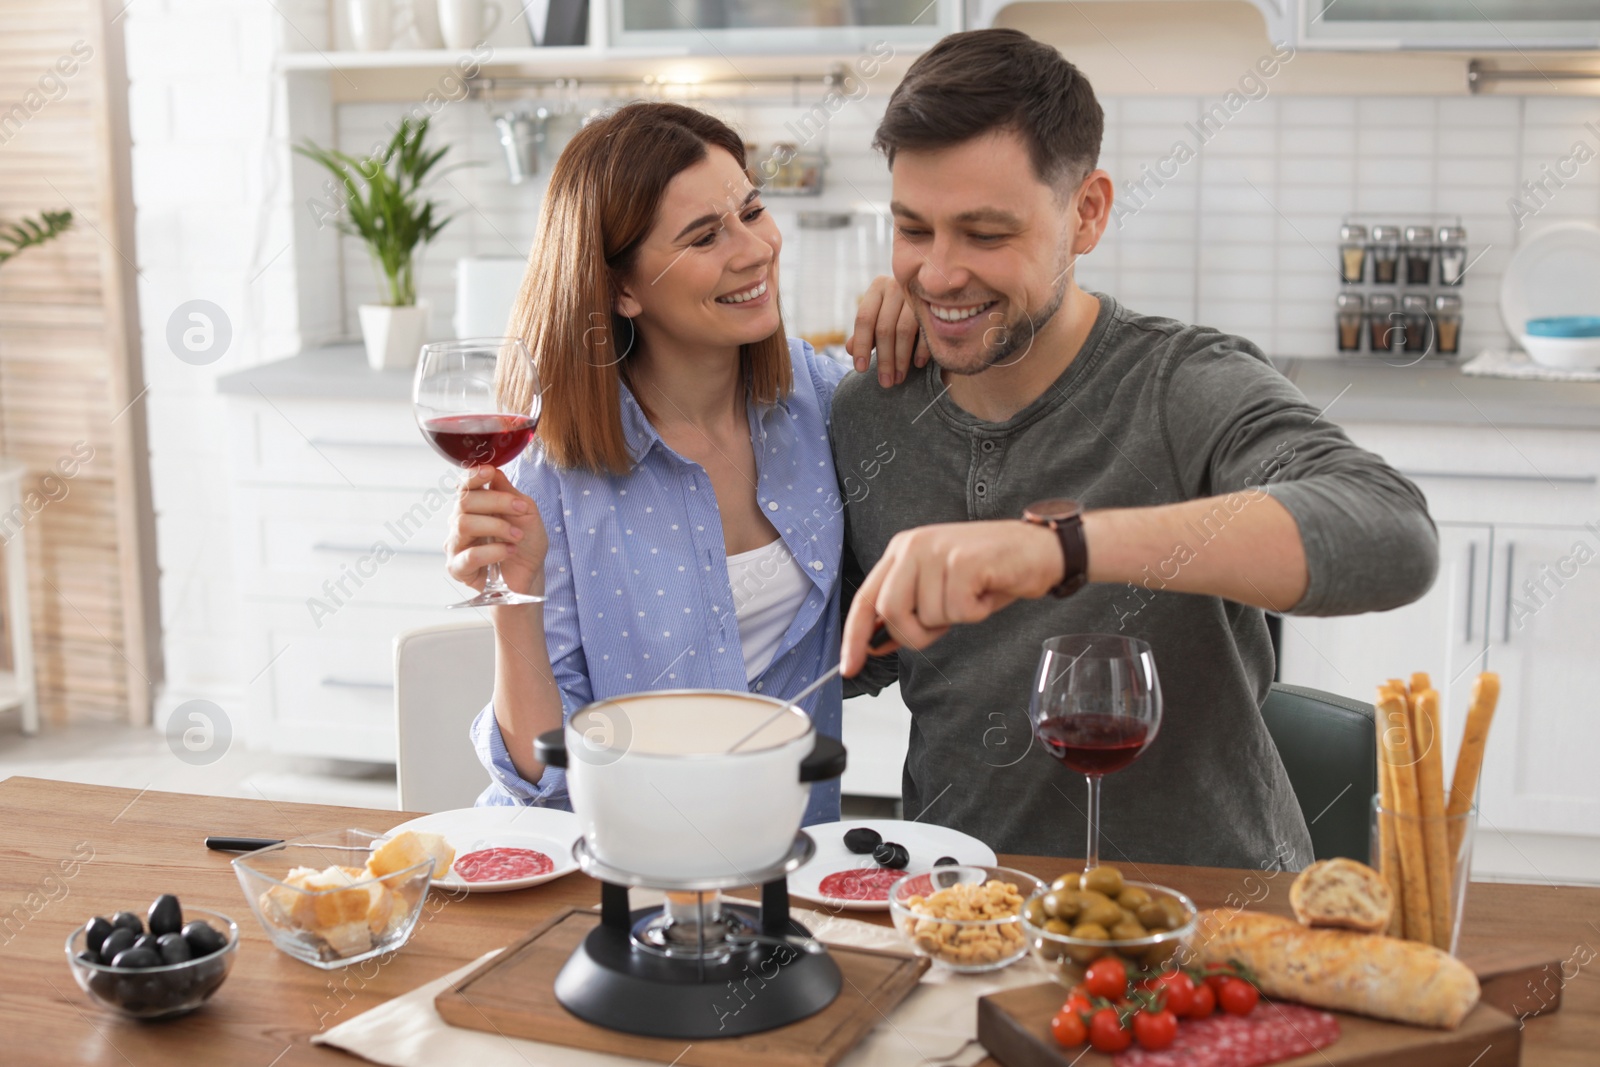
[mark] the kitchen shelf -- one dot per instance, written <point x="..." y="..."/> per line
<point x="573" y="57"/>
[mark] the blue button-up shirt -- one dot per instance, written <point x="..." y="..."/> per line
<point x="637" y="578"/>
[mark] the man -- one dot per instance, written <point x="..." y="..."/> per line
<point x="1209" y="489"/>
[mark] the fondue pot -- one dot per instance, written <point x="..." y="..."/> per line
<point x="685" y="785"/>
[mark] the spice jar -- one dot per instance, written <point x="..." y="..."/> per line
<point x="1349" y="321"/>
<point x="1419" y="254"/>
<point x="1387" y="332"/>
<point x="1447" y="323"/>
<point x="1452" y="254"/>
<point x="1419" y="337"/>
<point x="1352" y="254"/>
<point x="1385" y="255"/>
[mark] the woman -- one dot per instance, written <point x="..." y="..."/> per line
<point x="679" y="509"/>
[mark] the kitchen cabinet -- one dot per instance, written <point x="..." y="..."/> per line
<point x="752" y="26"/>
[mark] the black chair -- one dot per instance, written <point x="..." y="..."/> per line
<point x="1330" y="750"/>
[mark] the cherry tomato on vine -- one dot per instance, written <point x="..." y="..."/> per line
<point x="1215" y="981"/>
<point x="1155" y="1030"/>
<point x="1078" y="1003"/>
<point x="1204" y="1003"/>
<point x="1068" y="1029"/>
<point x="1106" y="977"/>
<point x="1179" y="989"/>
<point x="1238" y="997"/>
<point x="1106" y="1032"/>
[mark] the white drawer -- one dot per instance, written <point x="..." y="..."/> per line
<point x="368" y="546"/>
<point x="328" y="691"/>
<point x="347" y="443"/>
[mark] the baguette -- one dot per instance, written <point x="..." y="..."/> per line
<point x="1341" y="970"/>
<point x="1469" y="761"/>
<point x="1342" y="893"/>
<point x="1430" y="786"/>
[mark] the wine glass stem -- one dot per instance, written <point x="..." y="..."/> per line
<point x="493" y="583"/>
<point x="1091" y="850"/>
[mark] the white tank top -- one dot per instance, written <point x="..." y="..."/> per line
<point x="768" y="589"/>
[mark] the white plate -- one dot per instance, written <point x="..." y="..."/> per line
<point x="925" y="841"/>
<point x="1556" y="272"/>
<point x="547" y="830"/>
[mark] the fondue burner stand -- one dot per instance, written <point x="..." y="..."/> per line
<point x="699" y="966"/>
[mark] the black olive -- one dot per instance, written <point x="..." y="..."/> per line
<point x="892" y="855"/>
<point x="174" y="949"/>
<point x="203" y="939"/>
<point x="137" y="957"/>
<point x="127" y="920"/>
<point x="117" y="941"/>
<point x="166" y="915"/>
<point x="89" y="956"/>
<point x="150" y="942"/>
<point x="95" y="931"/>
<point x="862" y="840"/>
<point x="946" y="861"/>
<point x="103" y="984"/>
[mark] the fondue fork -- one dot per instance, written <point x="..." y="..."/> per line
<point x="880" y="637"/>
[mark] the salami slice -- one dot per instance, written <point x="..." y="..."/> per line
<point x="503" y="864"/>
<point x="1270" y="1034"/>
<point x="864" y="883"/>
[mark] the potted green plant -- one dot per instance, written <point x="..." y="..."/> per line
<point x="384" y="206"/>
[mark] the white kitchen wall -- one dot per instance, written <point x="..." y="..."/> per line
<point x="1244" y="237"/>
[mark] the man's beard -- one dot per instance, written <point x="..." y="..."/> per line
<point x="1014" y="340"/>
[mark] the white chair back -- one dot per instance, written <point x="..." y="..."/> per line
<point x="443" y="676"/>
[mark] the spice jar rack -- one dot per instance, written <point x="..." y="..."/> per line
<point x="1398" y="288"/>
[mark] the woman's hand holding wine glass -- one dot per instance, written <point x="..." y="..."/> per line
<point x="494" y="523"/>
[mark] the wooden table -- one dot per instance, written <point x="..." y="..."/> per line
<point x="122" y="848"/>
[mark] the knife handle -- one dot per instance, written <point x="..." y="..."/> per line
<point x="240" y="844"/>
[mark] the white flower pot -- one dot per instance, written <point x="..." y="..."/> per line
<point x="393" y="335"/>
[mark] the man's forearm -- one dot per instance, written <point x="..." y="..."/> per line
<point x="1244" y="547"/>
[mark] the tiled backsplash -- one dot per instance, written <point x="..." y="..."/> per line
<point x="1240" y="233"/>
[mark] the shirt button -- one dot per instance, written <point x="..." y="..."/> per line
<point x="816" y="564"/>
<point x="772" y="505"/>
<point x="980" y="489"/>
<point x="988" y="446"/>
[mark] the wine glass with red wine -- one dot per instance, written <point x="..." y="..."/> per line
<point x="1096" y="705"/>
<point x="463" y="418"/>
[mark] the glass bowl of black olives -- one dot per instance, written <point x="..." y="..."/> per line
<point x="165" y="964"/>
<point x="1081" y="917"/>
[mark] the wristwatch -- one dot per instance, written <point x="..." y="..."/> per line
<point x="1065" y="517"/>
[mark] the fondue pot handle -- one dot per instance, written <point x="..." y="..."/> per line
<point x="826" y="760"/>
<point x="550" y="748"/>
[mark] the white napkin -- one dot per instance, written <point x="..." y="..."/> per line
<point x="1492" y="363"/>
<point x="937" y="1022"/>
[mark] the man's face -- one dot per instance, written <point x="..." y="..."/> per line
<point x="982" y="247"/>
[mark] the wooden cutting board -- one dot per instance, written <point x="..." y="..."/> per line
<point x="514" y="994"/>
<point x="1015" y="1027"/>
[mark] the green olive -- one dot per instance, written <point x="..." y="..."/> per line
<point x="1133" y="898"/>
<point x="1128" y="930"/>
<point x="1061" y="905"/>
<point x="1088" y="931"/>
<point x="1156" y="955"/>
<point x="1152" y="915"/>
<point x="1059" y="927"/>
<point x="1036" y="911"/>
<point x="1106" y="915"/>
<point x="1088" y="898"/>
<point x="1067" y="881"/>
<point x="1176" y="915"/>
<point x="1107" y="880"/>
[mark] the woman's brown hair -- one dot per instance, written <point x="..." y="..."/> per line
<point x="602" y="201"/>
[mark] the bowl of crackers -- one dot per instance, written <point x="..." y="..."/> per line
<point x="966" y="919"/>
<point x="342" y="897"/>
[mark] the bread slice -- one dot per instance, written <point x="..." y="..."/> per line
<point x="407" y="849"/>
<point x="330" y="899"/>
<point x="1342" y="893"/>
<point x="348" y="939"/>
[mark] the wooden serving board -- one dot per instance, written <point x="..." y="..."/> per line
<point x="1520" y="982"/>
<point x="514" y="994"/>
<point x="1015" y="1027"/>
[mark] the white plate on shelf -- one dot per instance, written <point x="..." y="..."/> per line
<point x="547" y="830"/>
<point x="925" y="841"/>
<point x="1555" y="272"/>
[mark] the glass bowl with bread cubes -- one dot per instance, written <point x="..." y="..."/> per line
<point x="1080" y="918"/>
<point x="966" y="919"/>
<point x="342" y="897"/>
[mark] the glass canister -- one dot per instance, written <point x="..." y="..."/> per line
<point x="1352" y="254"/>
<point x="1419" y="254"/>
<point x="1452" y="254"/>
<point x="1419" y="334"/>
<point x="1349" y="318"/>
<point x="825" y="273"/>
<point x="1385" y="255"/>
<point x="1447" y="323"/>
<point x="1386" y="330"/>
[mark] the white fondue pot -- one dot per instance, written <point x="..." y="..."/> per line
<point x="659" y="794"/>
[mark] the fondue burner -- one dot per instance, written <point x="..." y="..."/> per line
<point x="698" y="966"/>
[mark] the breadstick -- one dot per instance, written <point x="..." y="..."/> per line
<point x="1469" y="761"/>
<point x="1388" y="843"/>
<point x="1430" y="787"/>
<point x="1400" y="751"/>
<point x="1419" y="682"/>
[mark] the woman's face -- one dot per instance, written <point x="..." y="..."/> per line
<point x="707" y="273"/>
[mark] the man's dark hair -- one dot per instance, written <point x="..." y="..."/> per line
<point x="998" y="79"/>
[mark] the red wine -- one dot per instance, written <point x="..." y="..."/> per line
<point x="1094" y="744"/>
<point x="480" y="440"/>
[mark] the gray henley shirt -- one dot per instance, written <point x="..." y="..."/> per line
<point x="1152" y="411"/>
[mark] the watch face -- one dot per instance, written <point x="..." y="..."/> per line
<point x="1053" y="510"/>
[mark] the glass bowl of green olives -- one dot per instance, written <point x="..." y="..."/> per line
<point x="174" y="973"/>
<point x="1082" y="917"/>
